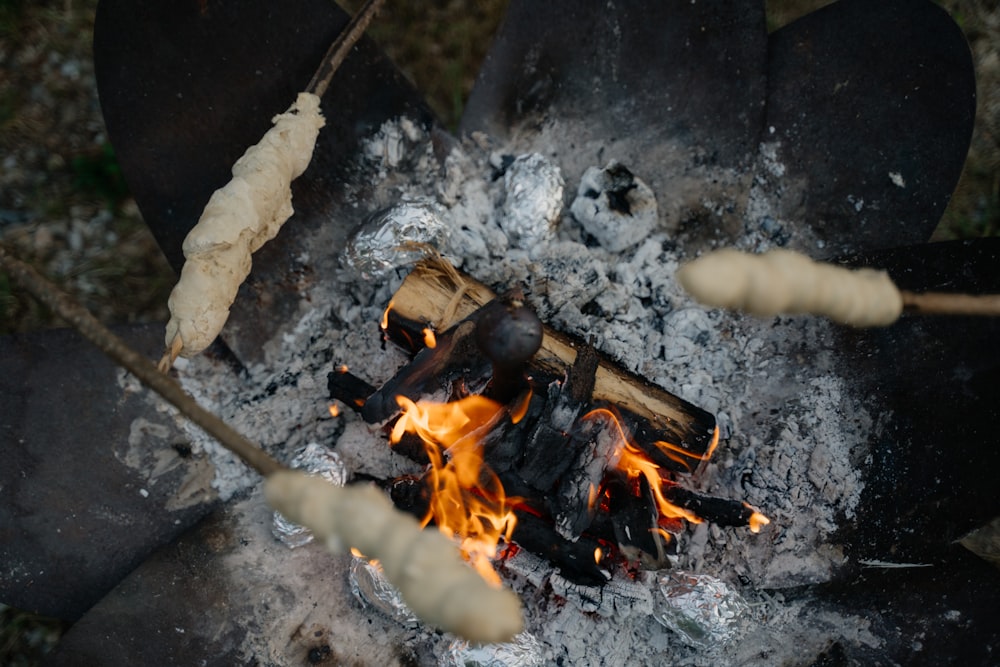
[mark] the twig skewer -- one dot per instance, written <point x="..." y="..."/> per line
<point x="424" y="565"/>
<point x="341" y="46"/>
<point x="945" y="303"/>
<point x="144" y="369"/>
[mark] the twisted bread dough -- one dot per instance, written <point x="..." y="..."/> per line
<point x="782" y="281"/>
<point x="239" y="218"/>
<point x="423" y="564"/>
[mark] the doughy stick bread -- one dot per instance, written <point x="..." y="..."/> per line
<point x="782" y="281"/>
<point x="238" y="219"/>
<point x="423" y="564"/>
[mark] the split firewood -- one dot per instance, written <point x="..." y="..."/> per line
<point x="439" y="295"/>
<point x="248" y="211"/>
<point x="783" y="281"/>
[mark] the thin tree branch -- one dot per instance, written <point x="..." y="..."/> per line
<point x="80" y="318"/>
<point x="338" y="51"/>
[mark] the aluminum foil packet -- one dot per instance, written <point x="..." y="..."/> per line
<point x="372" y="588"/>
<point x="523" y="651"/>
<point x="703" y="611"/>
<point x="386" y="240"/>
<point x="533" y="201"/>
<point x="319" y="460"/>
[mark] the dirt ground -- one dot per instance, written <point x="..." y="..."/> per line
<point x="65" y="208"/>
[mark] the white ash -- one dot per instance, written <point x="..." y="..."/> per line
<point x="792" y="434"/>
<point x="615" y="207"/>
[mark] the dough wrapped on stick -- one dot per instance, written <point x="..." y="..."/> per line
<point x="423" y="564"/>
<point x="238" y="219"/>
<point x="782" y="281"/>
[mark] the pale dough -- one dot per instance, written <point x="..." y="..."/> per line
<point x="782" y="281"/>
<point x="239" y="218"/>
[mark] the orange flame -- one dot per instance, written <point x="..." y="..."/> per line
<point x="334" y="410"/>
<point x="429" y="339"/>
<point x="757" y="520"/>
<point x="683" y="456"/>
<point x="384" y="323"/>
<point x="634" y="463"/>
<point x="467" y="499"/>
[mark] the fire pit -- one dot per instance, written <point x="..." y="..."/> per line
<point x="641" y="413"/>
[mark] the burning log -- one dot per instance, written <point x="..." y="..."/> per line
<point x="432" y="294"/>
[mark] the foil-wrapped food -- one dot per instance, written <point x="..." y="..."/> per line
<point x="523" y="651"/>
<point x="532" y="202"/>
<point x="319" y="460"/>
<point x="390" y="238"/>
<point x="703" y="611"/>
<point x="372" y="588"/>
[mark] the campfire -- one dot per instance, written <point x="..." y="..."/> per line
<point x="533" y="443"/>
<point x="604" y="466"/>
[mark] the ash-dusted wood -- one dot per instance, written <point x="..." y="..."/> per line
<point x="431" y="295"/>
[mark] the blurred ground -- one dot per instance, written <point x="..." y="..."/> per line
<point x="65" y="209"/>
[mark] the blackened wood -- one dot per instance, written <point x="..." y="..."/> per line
<point x="455" y="353"/>
<point x="574" y="501"/>
<point x="633" y="517"/>
<point x="720" y="511"/>
<point x="509" y="334"/>
<point x="549" y="450"/>
<point x="577" y="560"/>
<point x="348" y="388"/>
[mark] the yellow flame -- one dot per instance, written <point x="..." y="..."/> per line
<point x="598" y="554"/>
<point x="334" y="410"/>
<point x="467" y="499"/>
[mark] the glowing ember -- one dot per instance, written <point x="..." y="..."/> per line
<point x="467" y="499"/>
<point x="334" y="410"/>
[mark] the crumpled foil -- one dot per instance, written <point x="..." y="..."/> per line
<point x="703" y="611"/>
<point x="615" y="207"/>
<point x="523" y="651"/>
<point x="371" y="587"/>
<point x="533" y="200"/>
<point x="380" y="244"/>
<point x="318" y="460"/>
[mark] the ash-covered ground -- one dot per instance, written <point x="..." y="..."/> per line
<point x="793" y="435"/>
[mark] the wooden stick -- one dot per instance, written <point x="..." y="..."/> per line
<point x="944" y="303"/>
<point x="141" y="367"/>
<point x="338" y="51"/>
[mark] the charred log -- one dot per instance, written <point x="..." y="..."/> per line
<point x="428" y="294"/>
<point x="720" y="511"/>
<point x="581" y="561"/>
<point x="348" y="388"/>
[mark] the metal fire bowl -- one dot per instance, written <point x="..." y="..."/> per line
<point x="856" y="91"/>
